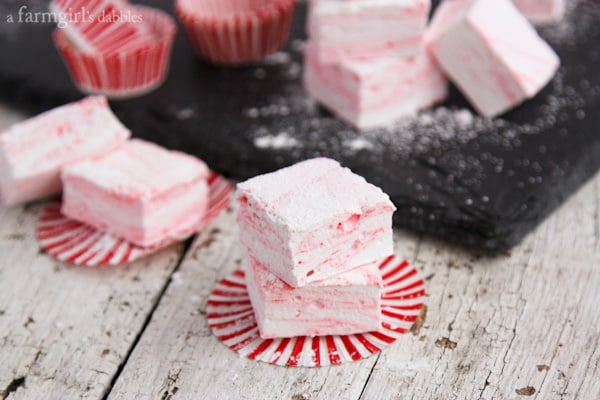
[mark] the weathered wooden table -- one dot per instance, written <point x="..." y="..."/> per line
<point x="522" y="325"/>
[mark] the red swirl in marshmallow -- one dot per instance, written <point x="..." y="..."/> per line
<point x="342" y="29"/>
<point x="140" y="192"/>
<point x="374" y="92"/>
<point x="314" y="220"/>
<point x="345" y="304"/>
<point x="491" y="52"/>
<point x="33" y="152"/>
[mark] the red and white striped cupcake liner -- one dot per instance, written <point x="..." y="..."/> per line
<point x="236" y="31"/>
<point x="79" y="244"/>
<point x="102" y="26"/>
<point x="231" y="319"/>
<point x="132" y="72"/>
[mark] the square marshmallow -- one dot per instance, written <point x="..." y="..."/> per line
<point x="140" y="192"/>
<point x="367" y="28"/>
<point x="33" y="152"/>
<point x="375" y="92"/>
<point x="542" y="11"/>
<point x="345" y="304"/>
<point x="491" y="52"/>
<point x="314" y="220"/>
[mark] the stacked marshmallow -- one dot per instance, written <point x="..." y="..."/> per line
<point x="132" y="189"/>
<point x="313" y="234"/>
<point x="373" y="61"/>
<point x="365" y="60"/>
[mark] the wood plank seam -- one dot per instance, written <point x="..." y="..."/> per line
<point x="149" y="316"/>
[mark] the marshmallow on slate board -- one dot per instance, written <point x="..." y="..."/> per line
<point x="491" y="52"/>
<point x="141" y="192"/>
<point x="33" y="152"/>
<point x="374" y="93"/>
<point x="542" y="11"/>
<point x="360" y="29"/>
<point x="314" y="220"/>
<point x="345" y="304"/>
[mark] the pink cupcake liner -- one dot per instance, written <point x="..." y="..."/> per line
<point x="123" y="74"/>
<point x="236" y="31"/>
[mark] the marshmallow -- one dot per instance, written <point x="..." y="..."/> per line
<point x="360" y="29"/>
<point x="491" y="52"/>
<point x="141" y="192"/>
<point x="33" y="152"/>
<point x="375" y="92"/>
<point x="345" y="304"/>
<point x="542" y="11"/>
<point x="313" y="220"/>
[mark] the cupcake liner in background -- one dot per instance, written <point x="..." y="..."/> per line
<point x="236" y="31"/>
<point x="122" y="74"/>
<point x="97" y="31"/>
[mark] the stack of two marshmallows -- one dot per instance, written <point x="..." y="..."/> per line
<point x="374" y="61"/>
<point x="314" y="234"/>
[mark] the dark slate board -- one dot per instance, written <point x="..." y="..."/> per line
<point x="450" y="173"/>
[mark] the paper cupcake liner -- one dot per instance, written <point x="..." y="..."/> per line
<point x="79" y="244"/>
<point x="231" y="319"/>
<point x="237" y="37"/>
<point x="123" y="74"/>
<point x="102" y="26"/>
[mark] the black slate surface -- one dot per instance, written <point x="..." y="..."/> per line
<point x="451" y="173"/>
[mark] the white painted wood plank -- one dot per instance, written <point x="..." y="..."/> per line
<point x="64" y="331"/>
<point x="178" y="356"/>
<point x="522" y="325"/>
<point x="67" y="329"/>
<point x="489" y="320"/>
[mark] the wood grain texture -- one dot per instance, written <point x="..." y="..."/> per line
<point x="64" y="331"/>
<point x="178" y="357"/>
<point x="524" y="324"/>
<point x="519" y="326"/>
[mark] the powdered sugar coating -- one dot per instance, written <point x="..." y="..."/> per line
<point x="306" y="194"/>
<point x="314" y="220"/>
<point x="140" y="170"/>
<point x="141" y="193"/>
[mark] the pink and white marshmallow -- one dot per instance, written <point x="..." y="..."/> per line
<point x="141" y="192"/>
<point x="345" y="304"/>
<point x="491" y="52"/>
<point x="33" y="152"/>
<point x="343" y="29"/>
<point x="373" y="93"/>
<point x="314" y="220"/>
<point x="542" y="11"/>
